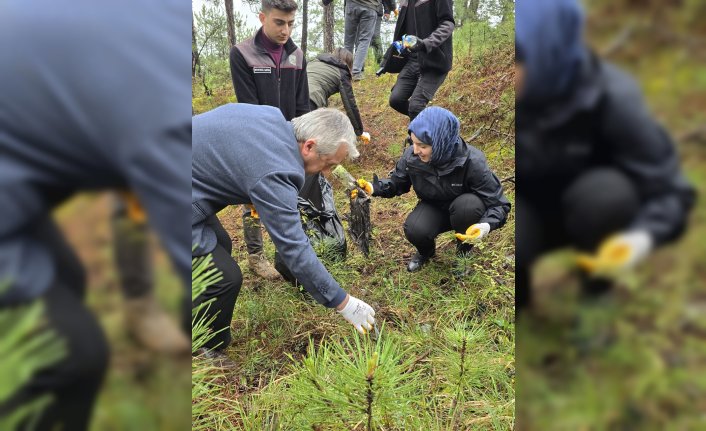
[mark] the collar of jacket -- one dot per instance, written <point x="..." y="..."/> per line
<point x="460" y="158"/>
<point x="289" y="46"/>
<point x="333" y="61"/>
<point x="585" y="95"/>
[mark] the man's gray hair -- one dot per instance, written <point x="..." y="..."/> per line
<point x="330" y="128"/>
<point x="283" y="5"/>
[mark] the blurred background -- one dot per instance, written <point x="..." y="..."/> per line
<point x="636" y="359"/>
<point x="95" y="155"/>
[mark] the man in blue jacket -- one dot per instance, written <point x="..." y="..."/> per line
<point x="248" y="154"/>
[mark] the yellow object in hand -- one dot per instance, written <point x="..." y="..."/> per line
<point x="474" y="232"/>
<point x="613" y="254"/>
<point x="354" y="193"/>
<point x="135" y="212"/>
<point x="618" y="252"/>
<point x="253" y="211"/>
<point x="366" y="186"/>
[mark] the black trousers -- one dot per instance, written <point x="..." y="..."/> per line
<point x="132" y="252"/>
<point x="225" y="291"/>
<point x="414" y="89"/>
<point x="598" y="203"/>
<point x="428" y="220"/>
<point x="74" y="381"/>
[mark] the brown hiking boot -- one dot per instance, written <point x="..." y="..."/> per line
<point x="259" y="264"/>
<point x="153" y="328"/>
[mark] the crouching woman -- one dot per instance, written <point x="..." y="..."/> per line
<point x="456" y="188"/>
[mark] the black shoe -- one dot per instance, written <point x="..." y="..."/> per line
<point x="418" y="261"/>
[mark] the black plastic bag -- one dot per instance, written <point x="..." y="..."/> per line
<point x="392" y="61"/>
<point x="320" y="222"/>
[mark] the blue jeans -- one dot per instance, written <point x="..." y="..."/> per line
<point x="358" y="32"/>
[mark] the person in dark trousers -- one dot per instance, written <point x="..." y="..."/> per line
<point x="145" y="319"/>
<point x="359" y="27"/>
<point x="456" y="188"/>
<point x="269" y="69"/>
<point x="385" y="8"/>
<point x="95" y="98"/>
<point x="429" y="60"/>
<point x="329" y="74"/>
<point x="594" y="169"/>
<point x="228" y="170"/>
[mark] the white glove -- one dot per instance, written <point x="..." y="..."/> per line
<point x="619" y="252"/>
<point x="475" y="232"/>
<point x="359" y="314"/>
<point x="365" y="137"/>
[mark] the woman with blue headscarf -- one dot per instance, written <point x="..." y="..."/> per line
<point x="456" y="188"/>
<point x="594" y="169"/>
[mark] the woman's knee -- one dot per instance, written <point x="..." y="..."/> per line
<point x="598" y="203"/>
<point x="466" y="210"/>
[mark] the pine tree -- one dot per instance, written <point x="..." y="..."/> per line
<point x="359" y="384"/>
<point x="26" y="346"/>
<point x="204" y="389"/>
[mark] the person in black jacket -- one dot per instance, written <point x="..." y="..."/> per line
<point x="269" y="69"/>
<point x="594" y="169"/>
<point x="456" y="188"/>
<point x="429" y="60"/>
<point x="329" y="74"/>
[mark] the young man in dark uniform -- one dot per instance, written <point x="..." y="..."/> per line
<point x="269" y="69"/>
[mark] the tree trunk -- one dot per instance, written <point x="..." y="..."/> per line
<point x="231" y="23"/>
<point x="328" y="27"/>
<point x="472" y="9"/>
<point x="194" y="50"/>
<point x="508" y="9"/>
<point x="305" y="20"/>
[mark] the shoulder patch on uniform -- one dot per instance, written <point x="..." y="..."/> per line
<point x="293" y="59"/>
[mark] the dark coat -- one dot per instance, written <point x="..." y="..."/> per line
<point x="257" y="80"/>
<point x="327" y="76"/>
<point x="602" y="121"/>
<point x="467" y="172"/>
<point x="434" y="24"/>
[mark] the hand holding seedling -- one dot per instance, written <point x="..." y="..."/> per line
<point x="474" y="232"/>
<point x="366" y="186"/>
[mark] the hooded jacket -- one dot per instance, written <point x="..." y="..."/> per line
<point x="227" y="169"/>
<point x="327" y="76"/>
<point x="577" y="112"/>
<point x="259" y="81"/>
<point x="466" y="172"/>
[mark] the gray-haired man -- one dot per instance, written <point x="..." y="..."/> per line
<point x="246" y="154"/>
